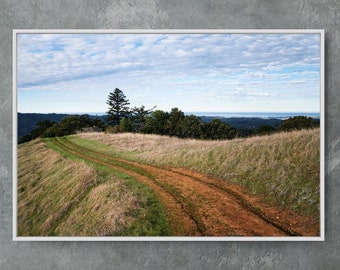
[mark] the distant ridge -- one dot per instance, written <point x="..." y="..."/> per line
<point x="245" y="122"/>
<point x="263" y="115"/>
<point x="28" y="121"/>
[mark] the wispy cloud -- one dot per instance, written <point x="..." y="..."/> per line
<point x="150" y="68"/>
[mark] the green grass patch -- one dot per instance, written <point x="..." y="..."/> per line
<point x="152" y="220"/>
<point x="56" y="200"/>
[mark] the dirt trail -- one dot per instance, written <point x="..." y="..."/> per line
<point x="181" y="223"/>
<point x="198" y="204"/>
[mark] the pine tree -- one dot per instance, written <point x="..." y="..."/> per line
<point x="118" y="106"/>
<point x="139" y="116"/>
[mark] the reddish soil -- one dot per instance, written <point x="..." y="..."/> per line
<point x="198" y="204"/>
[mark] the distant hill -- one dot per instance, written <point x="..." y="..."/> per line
<point x="28" y="121"/>
<point x="245" y="122"/>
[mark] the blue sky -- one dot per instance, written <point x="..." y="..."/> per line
<point x="194" y="72"/>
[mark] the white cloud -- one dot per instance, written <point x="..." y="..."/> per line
<point x="217" y="66"/>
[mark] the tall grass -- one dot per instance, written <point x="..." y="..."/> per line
<point x="48" y="187"/>
<point x="283" y="169"/>
<point x="62" y="196"/>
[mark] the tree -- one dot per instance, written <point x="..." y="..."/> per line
<point x="139" y="117"/>
<point x="265" y="130"/>
<point x="217" y="130"/>
<point x="297" y="123"/>
<point x="37" y="132"/>
<point x="42" y="126"/>
<point x="156" y="123"/>
<point x="176" y="117"/>
<point x="118" y="106"/>
<point x="71" y="124"/>
<point x="125" y="125"/>
<point x="192" y="127"/>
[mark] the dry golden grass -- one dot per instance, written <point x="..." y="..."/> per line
<point x="283" y="168"/>
<point x="60" y="196"/>
<point x="105" y="203"/>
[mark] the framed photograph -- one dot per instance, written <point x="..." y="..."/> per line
<point x="168" y="135"/>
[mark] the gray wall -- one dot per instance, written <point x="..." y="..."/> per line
<point x="88" y="14"/>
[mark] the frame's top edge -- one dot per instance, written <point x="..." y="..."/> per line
<point x="168" y="31"/>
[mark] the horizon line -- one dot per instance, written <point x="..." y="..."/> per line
<point x="103" y="113"/>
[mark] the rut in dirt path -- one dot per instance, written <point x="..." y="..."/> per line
<point x="181" y="223"/>
<point x="196" y="205"/>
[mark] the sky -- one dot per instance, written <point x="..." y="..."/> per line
<point x="74" y="73"/>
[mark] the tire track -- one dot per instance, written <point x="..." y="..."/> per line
<point x="182" y="223"/>
<point x="214" y="209"/>
<point x="218" y="184"/>
<point x="215" y="184"/>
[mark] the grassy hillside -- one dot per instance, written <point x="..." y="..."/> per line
<point x="91" y="185"/>
<point x="283" y="169"/>
<point x="59" y="195"/>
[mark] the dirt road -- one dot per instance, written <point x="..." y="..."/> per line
<point x="199" y="205"/>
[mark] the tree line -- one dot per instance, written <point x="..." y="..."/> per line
<point x="121" y="118"/>
<point x="150" y="121"/>
<point x="66" y="126"/>
<point x="176" y="123"/>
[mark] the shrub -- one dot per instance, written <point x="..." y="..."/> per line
<point x="298" y="123"/>
<point x="112" y="129"/>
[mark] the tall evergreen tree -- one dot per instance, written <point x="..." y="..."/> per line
<point x="139" y="116"/>
<point x="118" y="106"/>
<point x="176" y="118"/>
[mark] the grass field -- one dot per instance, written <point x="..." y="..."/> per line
<point x="283" y="169"/>
<point x="60" y="195"/>
<point x="96" y="184"/>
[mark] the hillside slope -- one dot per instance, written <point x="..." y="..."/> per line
<point x="62" y="196"/>
<point x="98" y="184"/>
<point x="283" y="168"/>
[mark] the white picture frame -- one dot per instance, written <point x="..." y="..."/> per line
<point x="321" y="237"/>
